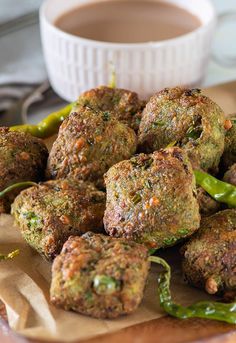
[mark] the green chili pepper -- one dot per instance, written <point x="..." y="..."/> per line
<point x="15" y="186"/>
<point x="218" y="190"/>
<point x="203" y="309"/>
<point x="10" y="255"/>
<point x="112" y="82"/>
<point x="104" y="284"/>
<point x="48" y="126"/>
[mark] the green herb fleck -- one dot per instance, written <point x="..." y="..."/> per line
<point x="134" y="161"/>
<point x="90" y="141"/>
<point x="148" y="184"/>
<point x="147" y="163"/>
<point x="97" y="131"/>
<point x="169" y="240"/>
<point x="106" y="115"/>
<point x="136" y="199"/>
<point x="158" y="123"/>
<point x="193" y="132"/>
<point x="183" y="232"/>
<point x="88" y="296"/>
<point x="33" y="220"/>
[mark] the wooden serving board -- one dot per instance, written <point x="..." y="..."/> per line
<point x="165" y="329"/>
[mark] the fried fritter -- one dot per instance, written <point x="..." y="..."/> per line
<point x="151" y="199"/>
<point x="188" y="119"/>
<point x="50" y="212"/>
<point x="88" y="144"/>
<point x="99" y="276"/>
<point x="123" y="104"/>
<point x="209" y="257"/>
<point x="22" y="158"/>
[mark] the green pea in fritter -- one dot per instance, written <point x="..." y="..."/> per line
<point x="123" y="104"/>
<point x="22" y="158"/>
<point x="50" y="212"/>
<point x="151" y="199"/>
<point x="88" y="144"/>
<point x="209" y="258"/>
<point x="188" y="119"/>
<point x="99" y="276"/>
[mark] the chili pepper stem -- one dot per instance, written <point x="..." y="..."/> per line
<point x="15" y="186"/>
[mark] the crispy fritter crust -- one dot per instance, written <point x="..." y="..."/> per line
<point x="86" y="260"/>
<point x="188" y="118"/>
<point x="124" y="105"/>
<point x="49" y="213"/>
<point x="152" y="198"/>
<point x="22" y="158"/>
<point x="209" y="259"/>
<point x="88" y="144"/>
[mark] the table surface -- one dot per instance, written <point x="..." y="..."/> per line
<point x="166" y="329"/>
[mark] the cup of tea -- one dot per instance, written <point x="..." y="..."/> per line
<point x="149" y="44"/>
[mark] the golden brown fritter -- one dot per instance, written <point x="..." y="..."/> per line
<point x="99" y="276"/>
<point x="188" y="119"/>
<point x="151" y="199"/>
<point x="50" y="212"/>
<point x="22" y="158"/>
<point x="123" y="104"/>
<point x="88" y="144"/>
<point x="209" y="259"/>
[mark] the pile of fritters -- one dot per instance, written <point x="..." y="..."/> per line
<point x="119" y="180"/>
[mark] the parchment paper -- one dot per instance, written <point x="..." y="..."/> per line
<point x="24" y="288"/>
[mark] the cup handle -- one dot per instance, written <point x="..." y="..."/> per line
<point x="219" y="57"/>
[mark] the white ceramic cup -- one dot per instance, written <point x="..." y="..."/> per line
<point x="76" y="64"/>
